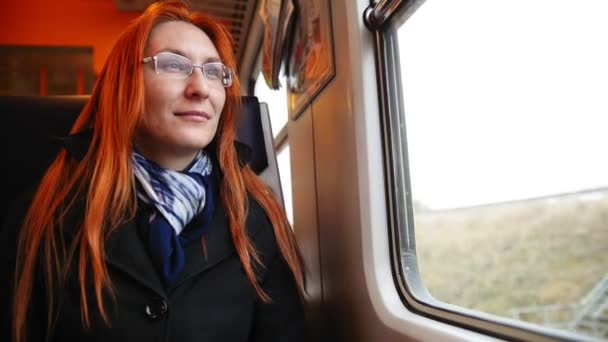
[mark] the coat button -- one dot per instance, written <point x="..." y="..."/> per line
<point x="156" y="308"/>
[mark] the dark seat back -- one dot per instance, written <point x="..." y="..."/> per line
<point x="30" y="124"/>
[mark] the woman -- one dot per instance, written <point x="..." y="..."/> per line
<point x="149" y="225"/>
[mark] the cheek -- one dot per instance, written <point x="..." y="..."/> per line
<point x="153" y="94"/>
<point x="160" y="93"/>
<point x="158" y="97"/>
<point x="219" y="101"/>
<point x="152" y="111"/>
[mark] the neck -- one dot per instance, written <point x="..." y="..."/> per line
<point x="171" y="161"/>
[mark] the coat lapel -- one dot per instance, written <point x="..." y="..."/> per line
<point x="126" y="251"/>
<point x="218" y="246"/>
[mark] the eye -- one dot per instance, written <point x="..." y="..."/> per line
<point x="173" y="64"/>
<point x="213" y="71"/>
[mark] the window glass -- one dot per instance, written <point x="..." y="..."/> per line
<point x="284" y="162"/>
<point x="276" y="100"/>
<point x="506" y="119"/>
<point x="278" y="112"/>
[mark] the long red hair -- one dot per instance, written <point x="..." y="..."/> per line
<point x="104" y="180"/>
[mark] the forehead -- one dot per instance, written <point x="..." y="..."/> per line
<point x="182" y="37"/>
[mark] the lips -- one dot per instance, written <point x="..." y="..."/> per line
<point x="194" y="114"/>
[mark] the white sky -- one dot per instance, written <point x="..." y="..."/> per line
<point x="276" y="101"/>
<point x="505" y="99"/>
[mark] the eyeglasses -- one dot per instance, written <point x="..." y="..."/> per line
<point x="180" y="67"/>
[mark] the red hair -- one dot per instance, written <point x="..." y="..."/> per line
<point x="103" y="179"/>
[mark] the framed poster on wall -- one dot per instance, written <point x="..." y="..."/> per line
<point x="277" y="17"/>
<point x="311" y="58"/>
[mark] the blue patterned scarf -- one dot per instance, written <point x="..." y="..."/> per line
<point x="178" y="196"/>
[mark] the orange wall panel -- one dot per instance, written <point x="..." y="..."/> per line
<point x="94" y="23"/>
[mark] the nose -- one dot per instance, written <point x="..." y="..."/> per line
<point x="197" y="85"/>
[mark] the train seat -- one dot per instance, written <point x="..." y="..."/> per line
<point x="29" y="126"/>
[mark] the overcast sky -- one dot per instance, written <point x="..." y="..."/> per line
<point x="505" y="100"/>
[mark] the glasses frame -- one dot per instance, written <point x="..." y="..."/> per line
<point x="226" y="69"/>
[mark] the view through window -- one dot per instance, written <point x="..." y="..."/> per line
<point x="277" y="107"/>
<point x="506" y="114"/>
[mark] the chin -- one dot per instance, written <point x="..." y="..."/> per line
<point x="197" y="145"/>
<point x="194" y="141"/>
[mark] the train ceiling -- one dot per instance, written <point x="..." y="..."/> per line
<point x="236" y="14"/>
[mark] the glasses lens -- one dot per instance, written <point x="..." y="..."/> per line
<point x="219" y="73"/>
<point x="213" y="71"/>
<point x="173" y="65"/>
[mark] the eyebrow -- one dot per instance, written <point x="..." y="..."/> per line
<point x="181" y="53"/>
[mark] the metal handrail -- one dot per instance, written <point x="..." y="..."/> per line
<point x="377" y="14"/>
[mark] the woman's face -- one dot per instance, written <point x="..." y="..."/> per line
<point x="180" y="116"/>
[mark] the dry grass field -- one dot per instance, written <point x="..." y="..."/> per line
<point x="530" y="253"/>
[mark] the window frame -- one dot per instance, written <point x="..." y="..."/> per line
<point x="404" y="264"/>
<point x="281" y="139"/>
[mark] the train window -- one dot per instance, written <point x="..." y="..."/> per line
<point x="505" y="110"/>
<point x="283" y="160"/>
<point x="276" y="99"/>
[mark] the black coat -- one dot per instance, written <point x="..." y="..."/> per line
<point x="212" y="301"/>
